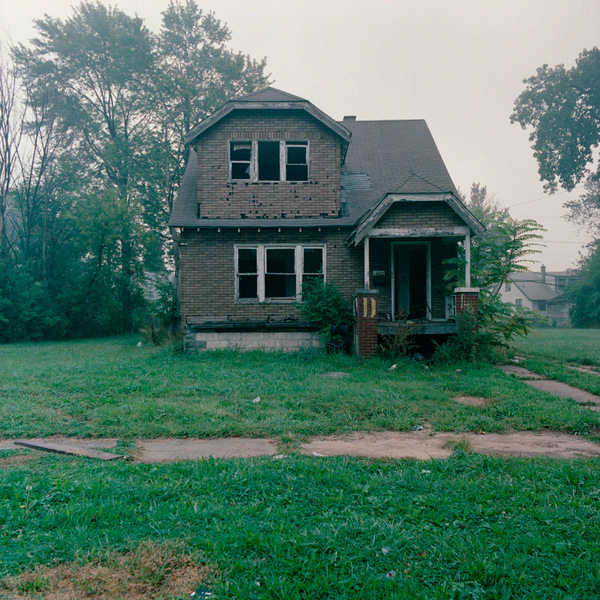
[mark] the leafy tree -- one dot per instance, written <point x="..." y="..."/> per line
<point x="507" y="246"/>
<point x="562" y="106"/>
<point x="585" y="292"/>
<point x="196" y="73"/>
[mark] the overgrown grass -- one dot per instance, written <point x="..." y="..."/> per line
<point x="113" y="388"/>
<point x="581" y="346"/>
<point x="467" y="527"/>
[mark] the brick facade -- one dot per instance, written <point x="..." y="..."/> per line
<point x="208" y="271"/>
<point x="366" y="322"/>
<point x="467" y="300"/>
<point x="220" y="198"/>
<point x="404" y="215"/>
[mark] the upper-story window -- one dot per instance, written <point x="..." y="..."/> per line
<point x="268" y="161"/>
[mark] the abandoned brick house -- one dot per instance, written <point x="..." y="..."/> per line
<point x="276" y="191"/>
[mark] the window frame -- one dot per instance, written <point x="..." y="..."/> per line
<point x="254" y="160"/>
<point x="261" y="264"/>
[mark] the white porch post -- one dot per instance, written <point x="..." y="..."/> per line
<point x="366" y="246"/>
<point x="468" y="260"/>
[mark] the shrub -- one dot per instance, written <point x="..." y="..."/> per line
<point x="324" y="305"/>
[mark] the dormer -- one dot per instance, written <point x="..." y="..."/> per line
<point x="269" y="155"/>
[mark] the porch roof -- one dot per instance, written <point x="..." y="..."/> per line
<point x="367" y="223"/>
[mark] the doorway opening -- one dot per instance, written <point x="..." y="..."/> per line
<point x="411" y="280"/>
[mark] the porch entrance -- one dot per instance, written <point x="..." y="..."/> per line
<point x="411" y="277"/>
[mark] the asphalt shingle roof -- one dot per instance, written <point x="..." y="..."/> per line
<point x="383" y="157"/>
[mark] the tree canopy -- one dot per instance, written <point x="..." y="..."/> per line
<point x="562" y="107"/>
<point x="94" y="113"/>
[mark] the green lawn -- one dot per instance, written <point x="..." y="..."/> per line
<point x="113" y="388"/>
<point x="467" y="527"/>
<point x="470" y="527"/>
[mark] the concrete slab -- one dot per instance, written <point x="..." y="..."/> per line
<point x="422" y="445"/>
<point x="68" y="447"/>
<point x="169" y="450"/>
<point x="520" y="372"/>
<point x="562" y="390"/>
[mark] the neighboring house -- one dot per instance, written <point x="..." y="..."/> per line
<point x="275" y="191"/>
<point x="541" y="292"/>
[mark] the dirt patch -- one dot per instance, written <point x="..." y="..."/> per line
<point x="10" y="461"/>
<point x="472" y="401"/>
<point x="150" y="571"/>
<point x="336" y="374"/>
<point x="424" y="445"/>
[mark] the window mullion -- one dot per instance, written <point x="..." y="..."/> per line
<point x="299" y="269"/>
<point x="261" y="267"/>
<point x="282" y="160"/>
<point x="254" y="161"/>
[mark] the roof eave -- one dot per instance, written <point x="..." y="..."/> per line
<point x="306" y="106"/>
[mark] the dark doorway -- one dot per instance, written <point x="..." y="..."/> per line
<point x="410" y="276"/>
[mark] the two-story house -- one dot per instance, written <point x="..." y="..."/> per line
<point x="276" y="191"/>
<point x="541" y="292"/>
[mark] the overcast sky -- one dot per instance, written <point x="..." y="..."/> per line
<point x="458" y="64"/>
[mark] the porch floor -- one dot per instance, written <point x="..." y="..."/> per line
<point x="426" y="327"/>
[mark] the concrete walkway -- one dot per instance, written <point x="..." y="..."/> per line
<point x="556" y="388"/>
<point x="420" y="445"/>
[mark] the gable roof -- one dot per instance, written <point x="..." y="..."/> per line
<point x="531" y="286"/>
<point x="270" y="98"/>
<point x="384" y="159"/>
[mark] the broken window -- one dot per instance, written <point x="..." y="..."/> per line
<point x="276" y="273"/>
<point x="240" y="160"/>
<point x="268" y="161"/>
<point x="296" y="163"/>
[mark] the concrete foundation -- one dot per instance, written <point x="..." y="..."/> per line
<point x="198" y="338"/>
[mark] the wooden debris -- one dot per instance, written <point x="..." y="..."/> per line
<point x="68" y="449"/>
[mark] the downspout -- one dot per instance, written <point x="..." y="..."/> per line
<point x="366" y="248"/>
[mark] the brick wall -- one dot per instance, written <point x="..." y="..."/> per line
<point x="420" y="214"/>
<point x="219" y="197"/>
<point x="208" y="271"/>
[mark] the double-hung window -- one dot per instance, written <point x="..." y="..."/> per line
<point x="276" y="273"/>
<point x="268" y="160"/>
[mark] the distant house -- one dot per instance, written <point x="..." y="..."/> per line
<point x="276" y="192"/>
<point x="542" y="292"/>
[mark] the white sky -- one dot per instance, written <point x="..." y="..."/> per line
<point x="459" y="64"/>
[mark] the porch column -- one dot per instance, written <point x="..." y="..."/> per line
<point x="467" y="301"/>
<point x="468" y="260"/>
<point x="367" y="265"/>
<point x="366" y="322"/>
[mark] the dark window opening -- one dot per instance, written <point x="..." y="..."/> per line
<point x="296" y="167"/>
<point x="542" y="305"/>
<point x="280" y="275"/>
<point x="313" y="265"/>
<point x="248" y="273"/>
<point x="268" y="161"/>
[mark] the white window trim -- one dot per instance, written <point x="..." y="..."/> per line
<point x="261" y="266"/>
<point x="283" y="145"/>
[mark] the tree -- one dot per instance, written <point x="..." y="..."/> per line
<point x="562" y="106"/>
<point x="507" y="246"/>
<point x="196" y="73"/>
<point x="585" y="292"/>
